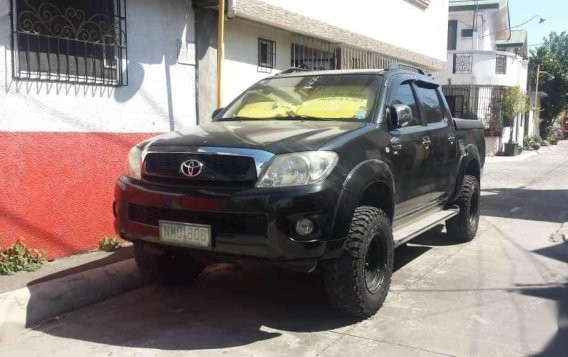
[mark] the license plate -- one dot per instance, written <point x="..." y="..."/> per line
<point x="185" y="234"/>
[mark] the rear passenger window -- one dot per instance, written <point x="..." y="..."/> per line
<point x="431" y="105"/>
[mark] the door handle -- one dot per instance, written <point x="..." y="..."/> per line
<point x="396" y="144"/>
<point x="426" y="142"/>
<point x="452" y="138"/>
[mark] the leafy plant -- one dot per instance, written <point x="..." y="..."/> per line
<point x="553" y="79"/>
<point x="109" y="244"/>
<point x="514" y="102"/>
<point x="18" y="257"/>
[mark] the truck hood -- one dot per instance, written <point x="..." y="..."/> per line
<point x="275" y="136"/>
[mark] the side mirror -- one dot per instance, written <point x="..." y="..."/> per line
<point x="401" y="116"/>
<point x="216" y="112"/>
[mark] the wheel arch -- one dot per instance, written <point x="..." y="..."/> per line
<point x="469" y="164"/>
<point x="370" y="183"/>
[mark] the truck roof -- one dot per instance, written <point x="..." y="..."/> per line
<point x="294" y="72"/>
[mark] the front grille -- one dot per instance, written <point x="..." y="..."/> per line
<point x="217" y="169"/>
<point x="221" y="223"/>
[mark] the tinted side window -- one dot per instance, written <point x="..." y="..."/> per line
<point x="402" y="94"/>
<point x="433" y="112"/>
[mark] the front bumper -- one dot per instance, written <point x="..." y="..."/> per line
<point x="255" y="223"/>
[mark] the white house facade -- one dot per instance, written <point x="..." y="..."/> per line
<point x="482" y="61"/>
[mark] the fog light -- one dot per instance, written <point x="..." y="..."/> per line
<point x="304" y="227"/>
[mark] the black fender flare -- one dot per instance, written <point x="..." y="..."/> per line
<point x="360" y="178"/>
<point x="470" y="154"/>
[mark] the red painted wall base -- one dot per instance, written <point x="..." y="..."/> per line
<point x="56" y="189"/>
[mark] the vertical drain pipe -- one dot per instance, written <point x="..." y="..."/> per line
<point x="220" y="48"/>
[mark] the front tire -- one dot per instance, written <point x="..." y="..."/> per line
<point x="463" y="227"/>
<point x="358" y="281"/>
<point x="166" y="268"/>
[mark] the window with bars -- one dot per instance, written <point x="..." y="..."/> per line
<point x="73" y="41"/>
<point x="501" y="64"/>
<point x="463" y="63"/>
<point x="266" y="53"/>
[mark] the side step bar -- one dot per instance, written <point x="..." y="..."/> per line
<point x="410" y="231"/>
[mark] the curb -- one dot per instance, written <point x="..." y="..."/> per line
<point x="22" y="308"/>
<point x="523" y="156"/>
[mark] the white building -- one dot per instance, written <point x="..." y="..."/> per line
<point x="327" y="34"/>
<point x="83" y="80"/>
<point x="484" y="58"/>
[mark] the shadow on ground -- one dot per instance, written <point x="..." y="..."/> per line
<point x="227" y="306"/>
<point x="525" y="204"/>
<point x="558" y="345"/>
<point x="558" y="293"/>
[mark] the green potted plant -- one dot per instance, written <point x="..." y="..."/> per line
<point x="515" y="102"/>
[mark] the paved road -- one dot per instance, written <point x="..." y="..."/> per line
<point x="495" y="296"/>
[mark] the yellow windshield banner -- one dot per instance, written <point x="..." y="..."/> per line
<point x="337" y="102"/>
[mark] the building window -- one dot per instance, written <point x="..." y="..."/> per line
<point x="467" y="33"/>
<point x="452" y="35"/>
<point x="463" y="63"/>
<point x="309" y="53"/>
<point x="501" y="64"/>
<point x="266" y="53"/>
<point x="73" y="41"/>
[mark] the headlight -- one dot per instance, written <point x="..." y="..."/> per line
<point x="134" y="164"/>
<point x="298" y="169"/>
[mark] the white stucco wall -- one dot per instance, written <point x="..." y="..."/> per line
<point x="483" y="71"/>
<point x="240" y="66"/>
<point x="396" y="22"/>
<point x="160" y="95"/>
<point x="490" y="26"/>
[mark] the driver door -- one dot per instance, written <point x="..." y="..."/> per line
<point x="408" y="151"/>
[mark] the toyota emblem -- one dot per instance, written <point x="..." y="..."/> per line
<point x="191" y="168"/>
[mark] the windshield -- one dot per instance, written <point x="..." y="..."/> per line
<point x="350" y="97"/>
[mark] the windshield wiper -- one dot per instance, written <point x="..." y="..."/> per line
<point x="294" y="116"/>
<point x="240" y="118"/>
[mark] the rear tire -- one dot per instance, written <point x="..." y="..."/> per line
<point x="358" y="281"/>
<point x="463" y="227"/>
<point x="166" y="268"/>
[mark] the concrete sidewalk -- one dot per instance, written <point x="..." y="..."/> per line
<point x="64" y="285"/>
<point x="523" y="156"/>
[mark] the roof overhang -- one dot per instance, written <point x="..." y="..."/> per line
<point x="264" y="13"/>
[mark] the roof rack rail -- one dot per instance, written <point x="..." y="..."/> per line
<point x="396" y="66"/>
<point x="293" y="70"/>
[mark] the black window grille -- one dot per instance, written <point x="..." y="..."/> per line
<point x="463" y="63"/>
<point x="73" y="41"/>
<point x="317" y="55"/>
<point x="501" y="64"/>
<point x="266" y="53"/>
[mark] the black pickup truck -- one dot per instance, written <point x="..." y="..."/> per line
<point x="321" y="172"/>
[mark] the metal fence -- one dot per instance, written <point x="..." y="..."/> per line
<point x="316" y="54"/>
<point x="477" y="102"/>
<point x="74" y="41"/>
